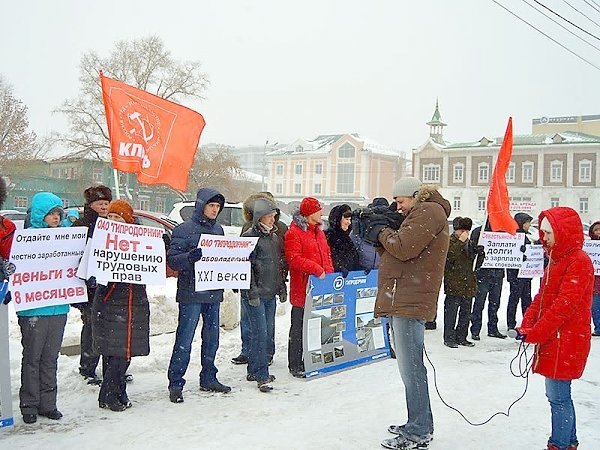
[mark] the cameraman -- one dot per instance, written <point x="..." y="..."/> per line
<point x="410" y="276"/>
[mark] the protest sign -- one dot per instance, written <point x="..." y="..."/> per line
<point x="46" y="261"/>
<point x="340" y="330"/>
<point x="592" y="248"/>
<point x="123" y="252"/>
<point x="533" y="266"/>
<point x="6" y="413"/>
<point x="225" y="262"/>
<point x="502" y="250"/>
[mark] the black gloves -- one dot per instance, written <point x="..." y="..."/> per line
<point x="395" y="219"/>
<point x="344" y="272"/>
<point x="367" y="271"/>
<point x="91" y="283"/>
<point x="7" y="298"/>
<point x="480" y="249"/>
<point x="377" y="222"/>
<point x="523" y="248"/>
<point x="195" y="255"/>
<point x="235" y="291"/>
<point x="283" y="296"/>
<point x="8" y="268"/>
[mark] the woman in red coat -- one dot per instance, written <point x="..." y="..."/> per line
<point x="558" y="320"/>
<point x="307" y="253"/>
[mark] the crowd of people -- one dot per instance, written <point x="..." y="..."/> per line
<point x="415" y="253"/>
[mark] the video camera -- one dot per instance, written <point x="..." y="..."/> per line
<point x="363" y="220"/>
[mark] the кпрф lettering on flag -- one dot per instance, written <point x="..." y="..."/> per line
<point x="150" y="136"/>
<point x="498" y="204"/>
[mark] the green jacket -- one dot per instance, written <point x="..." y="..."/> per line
<point x="459" y="278"/>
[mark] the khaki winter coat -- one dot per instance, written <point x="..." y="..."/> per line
<point x="413" y="259"/>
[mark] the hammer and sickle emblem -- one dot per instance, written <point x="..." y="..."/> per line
<point x="136" y="116"/>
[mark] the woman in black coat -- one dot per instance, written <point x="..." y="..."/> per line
<point x="120" y="326"/>
<point x="343" y="252"/>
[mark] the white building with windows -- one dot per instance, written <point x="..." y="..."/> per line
<point x="340" y="168"/>
<point x="546" y="169"/>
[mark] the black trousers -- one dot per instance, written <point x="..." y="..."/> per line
<point x="41" y="337"/>
<point x="295" y="350"/>
<point x="88" y="360"/>
<point x="453" y="306"/>
<point x="520" y="289"/>
<point x="113" y="388"/>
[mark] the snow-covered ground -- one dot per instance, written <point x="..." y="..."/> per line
<point x="349" y="410"/>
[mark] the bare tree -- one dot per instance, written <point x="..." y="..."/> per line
<point x="143" y="63"/>
<point x="16" y="141"/>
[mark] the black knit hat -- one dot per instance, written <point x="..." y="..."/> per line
<point x="462" y="223"/>
<point x="95" y="193"/>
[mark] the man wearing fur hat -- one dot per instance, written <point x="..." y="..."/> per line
<point x="307" y="253"/>
<point x="410" y="275"/>
<point x="97" y="199"/>
<point x="280" y="230"/>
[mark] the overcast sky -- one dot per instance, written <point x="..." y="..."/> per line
<point x="282" y="69"/>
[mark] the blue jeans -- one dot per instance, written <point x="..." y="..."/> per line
<point x="490" y="288"/>
<point x="245" y="333"/>
<point x="261" y="319"/>
<point x="409" y="336"/>
<point x="189" y="315"/>
<point x="562" y="411"/>
<point x="596" y="312"/>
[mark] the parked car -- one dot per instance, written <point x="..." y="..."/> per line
<point x="18" y="217"/>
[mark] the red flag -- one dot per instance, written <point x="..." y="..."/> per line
<point x="150" y="136"/>
<point x="498" y="205"/>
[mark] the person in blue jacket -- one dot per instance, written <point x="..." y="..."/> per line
<point x="71" y="216"/>
<point x="182" y="256"/>
<point x="42" y="332"/>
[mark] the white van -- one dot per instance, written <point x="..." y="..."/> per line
<point x="231" y="218"/>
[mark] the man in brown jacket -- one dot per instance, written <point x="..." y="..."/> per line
<point x="410" y="276"/>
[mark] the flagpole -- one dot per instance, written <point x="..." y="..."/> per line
<point x="118" y="191"/>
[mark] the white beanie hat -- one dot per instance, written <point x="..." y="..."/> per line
<point x="545" y="226"/>
<point x="406" y="187"/>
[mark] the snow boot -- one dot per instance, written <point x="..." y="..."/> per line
<point x="176" y="395"/>
<point x="30" y="418"/>
<point x="265" y="385"/>
<point x="54" y="415"/>
<point x="402" y="443"/>
<point x="215" y="386"/>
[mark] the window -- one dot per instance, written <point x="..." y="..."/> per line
<point x="345" y="178"/>
<point x="456" y="205"/>
<point x="510" y="173"/>
<point x="458" y="175"/>
<point x="144" y="204"/>
<point x="279" y="188"/>
<point x="160" y="205"/>
<point x="317" y="188"/>
<point x="556" y="171"/>
<point x="319" y="169"/>
<point x="97" y="175"/>
<point x="483" y="173"/>
<point x="299" y="149"/>
<point x="585" y="171"/>
<point x="481" y="203"/>
<point x="583" y="205"/>
<point x="346" y="151"/>
<point x="55" y="173"/>
<point x="21" y="202"/>
<point x="298" y="169"/>
<point x="554" y="202"/>
<point x="297" y="188"/>
<point x="279" y="169"/>
<point x="431" y="173"/>
<point x="527" y="174"/>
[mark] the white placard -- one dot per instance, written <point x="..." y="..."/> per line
<point x="502" y="250"/>
<point x="533" y="266"/>
<point x="225" y="262"/>
<point x="592" y="248"/>
<point x="46" y="261"/>
<point x="126" y="253"/>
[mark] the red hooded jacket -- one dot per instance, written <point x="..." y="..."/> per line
<point x="307" y="253"/>
<point x="558" y="320"/>
<point x="7" y="231"/>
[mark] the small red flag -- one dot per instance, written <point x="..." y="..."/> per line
<point x="498" y="205"/>
<point x="150" y="136"/>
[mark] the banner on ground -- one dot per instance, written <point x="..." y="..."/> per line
<point x="6" y="411"/>
<point x="502" y="250"/>
<point x="533" y="266"/>
<point x="340" y="330"/>
<point x="225" y="262"/>
<point x="46" y="261"/>
<point x="592" y="248"/>
<point x="125" y="253"/>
